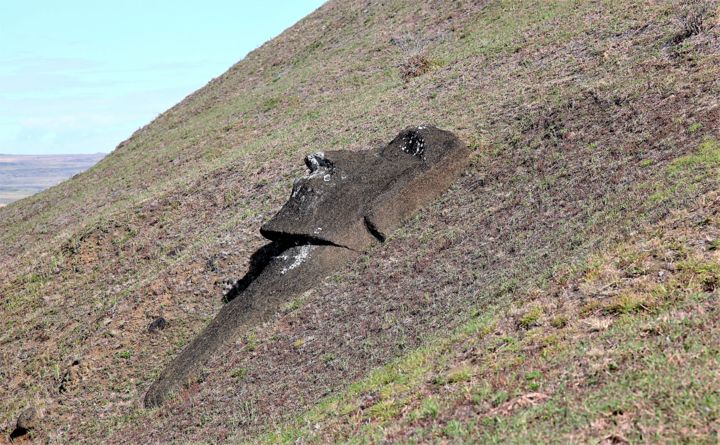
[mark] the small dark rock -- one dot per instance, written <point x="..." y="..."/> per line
<point x="71" y="377"/>
<point x="27" y="421"/>
<point x="157" y="325"/>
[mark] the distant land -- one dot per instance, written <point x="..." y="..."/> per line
<point x="25" y="175"/>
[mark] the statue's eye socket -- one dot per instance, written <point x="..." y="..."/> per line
<point x="413" y="144"/>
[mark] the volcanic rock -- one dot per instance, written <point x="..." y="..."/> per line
<point x="348" y="202"/>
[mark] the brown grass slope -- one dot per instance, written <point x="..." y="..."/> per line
<point x="575" y="111"/>
<point x="619" y="348"/>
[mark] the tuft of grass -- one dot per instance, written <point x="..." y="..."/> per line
<point x="251" y="342"/>
<point x="239" y="373"/>
<point x="534" y="379"/>
<point x="430" y="409"/>
<point x="125" y="354"/>
<point x="269" y="104"/>
<point x="559" y="322"/>
<point x="531" y="318"/>
<point x="694" y="128"/>
<point x="707" y="272"/>
<point x="628" y="303"/>
<point x="500" y="397"/>
<point x="385" y="410"/>
<point x="707" y="155"/>
<point x="454" y="429"/>
<point x="462" y="374"/>
<point x="328" y="358"/>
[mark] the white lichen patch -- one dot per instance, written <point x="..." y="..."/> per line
<point x="301" y="191"/>
<point x="297" y="258"/>
<point x="319" y="166"/>
<point x="314" y="160"/>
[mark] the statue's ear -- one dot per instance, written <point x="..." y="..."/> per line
<point x="413" y="143"/>
<point x="435" y="159"/>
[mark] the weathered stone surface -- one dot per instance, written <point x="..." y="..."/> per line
<point x="355" y="199"/>
<point x="26" y="422"/>
<point x="27" y="419"/>
<point x="291" y="273"/>
<point x="348" y="202"/>
<point x="443" y="157"/>
<point x="157" y="325"/>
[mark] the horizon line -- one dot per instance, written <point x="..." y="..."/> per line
<point x="57" y="154"/>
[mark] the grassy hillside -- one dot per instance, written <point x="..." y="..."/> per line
<point x="620" y="347"/>
<point x="594" y="126"/>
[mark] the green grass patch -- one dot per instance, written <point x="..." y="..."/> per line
<point x="531" y="318"/>
<point x="707" y="155"/>
<point x="239" y="373"/>
<point x="392" y="380"/>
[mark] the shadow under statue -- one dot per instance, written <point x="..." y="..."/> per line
<point x="348" y="203"/>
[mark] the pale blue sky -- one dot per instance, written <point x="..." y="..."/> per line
<point x="80" y="76"/>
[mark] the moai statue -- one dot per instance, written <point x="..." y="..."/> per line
<point x="348" y="203"/>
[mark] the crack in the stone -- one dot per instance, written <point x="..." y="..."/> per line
<point x="294" y="240"/>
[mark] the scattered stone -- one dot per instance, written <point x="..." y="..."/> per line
<point x="158" y="324"/>
<point x="27" y="421"/>
<point x="70" y="378"/>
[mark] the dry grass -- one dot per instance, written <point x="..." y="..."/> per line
<point x="415" y="66"/>
<point x="616" y="373"/>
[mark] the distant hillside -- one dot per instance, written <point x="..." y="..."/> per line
<point x="22" y="176"/>
<point x="563" y="290"/>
